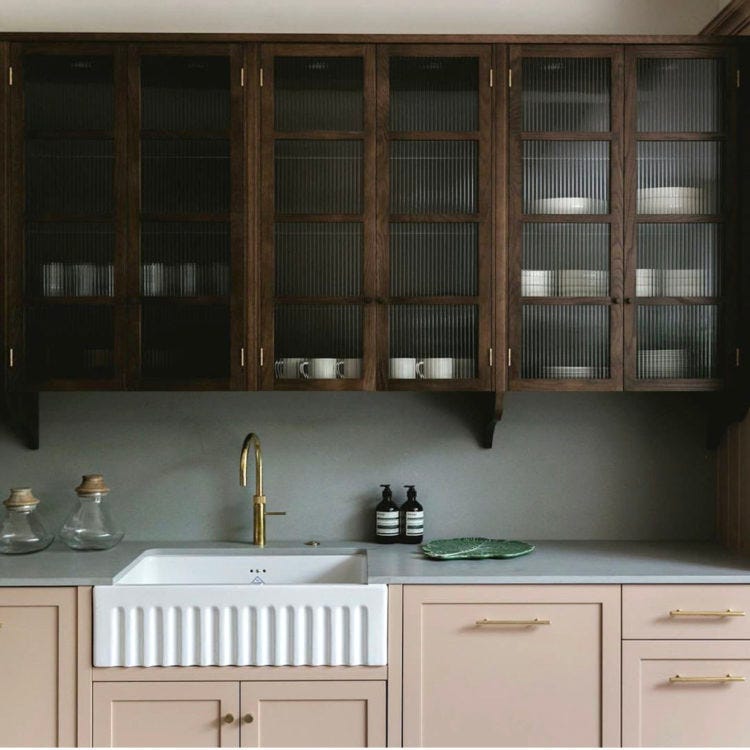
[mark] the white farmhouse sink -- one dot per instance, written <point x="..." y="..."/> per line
<point x="235" y="607"/>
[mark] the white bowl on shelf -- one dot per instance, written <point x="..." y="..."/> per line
<point x="662" y="363"/>
<point x="571" y="205"/>
<point x="582" y="282"/>
<point x="538" y="282"/>
<point x="572" y="372"/>
<point x="648" y="282"/>
<point x="684" y="282"/>
<point x="672" y="200"/>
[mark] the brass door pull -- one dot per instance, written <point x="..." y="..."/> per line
<point x="721" y="678"/>
<point x="706" y="613"/>
<point x="248" y="718"/>
<point x="228" y="719"/>
<point x="527" y="623"/>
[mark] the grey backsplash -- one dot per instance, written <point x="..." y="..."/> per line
<point x="564" y="466"/>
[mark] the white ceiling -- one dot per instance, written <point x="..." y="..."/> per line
<point x="362" y="16"/>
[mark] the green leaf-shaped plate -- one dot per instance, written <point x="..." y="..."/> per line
<point x="475" y="548"/>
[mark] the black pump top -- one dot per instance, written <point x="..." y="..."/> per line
<point x="386" y="491"/>
<point x="411" y="493"/>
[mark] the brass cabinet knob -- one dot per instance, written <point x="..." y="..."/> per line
<point x="615" y="300"/>
<point x="229" y="719"/>
<point x="248" y="718"/>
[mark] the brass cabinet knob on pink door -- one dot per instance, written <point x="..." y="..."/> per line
<point x="248" y="718"/>
<point x="229" y="719"/>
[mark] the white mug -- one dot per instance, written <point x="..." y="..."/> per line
<point x="437" y="368"/>
<point x="321" y="368"/>
<point x="405" y="368"/>
<point x="350" y="368"/>
<point x="288" y="368"/>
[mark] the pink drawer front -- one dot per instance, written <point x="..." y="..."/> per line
<point x="685" y="611"/>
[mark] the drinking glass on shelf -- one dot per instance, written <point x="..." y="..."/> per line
<point x="53" y="280"/>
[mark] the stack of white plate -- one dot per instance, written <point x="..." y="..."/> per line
<point x="568" y="372"/>
<point x="537" y="283"/>
<point x="671" y="200"/>
<point x="662" y="363"/>
<point x="648" y="282"/>
<point x="583" y="283"/>
<point x="684" y="282"/>
<point x="573" y="205"/>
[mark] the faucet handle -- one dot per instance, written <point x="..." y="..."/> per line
<point x="275" y="512"/>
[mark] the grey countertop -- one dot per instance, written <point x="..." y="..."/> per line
<point x="552" y="562"/>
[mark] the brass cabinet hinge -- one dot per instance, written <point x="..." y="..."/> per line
<point x="510" y="78"/>
<point x="260" y="356"/>
<point x="492" y="77"/>
<point x="10" y="75"/>
<point x="490" y="356"/>
<point x="260" y="77"/>
<point x="510" y="356"/>
<point x="242" y="76"/>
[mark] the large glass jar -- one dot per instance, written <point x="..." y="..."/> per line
<point x="21" y="530"/>
<point x="90" y="525"/>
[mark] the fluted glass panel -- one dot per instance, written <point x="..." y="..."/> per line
<point x="565" y="260"/>
<point x="318" y="259"/>
<point x="318" y="93"/>
<point x="433" y="342"/>
<point x="564" y="342"/>
<point x="185" y="259"/>
<point x="434" y="177"/>
<point x="679" y="260"/>
<point x="680" y="95"/>
<point x="566" y="94"/>
<point x="70" y="259"/>
<point x="677" y="341"/>
<point x="69" y="177"/>
<point x="185" y="176"/>
<point x="183" y="341"/>
<point x="185" y="93"/>
<point x="318" y="342"/>
<point x="68" y="92"/>
<point x="679" y="177"/>
<point x="70" y="341"/>
<point x="318" y="177"/>
<point x="566" y="177"/>
<point x="434" y="93"/>
<point x="434" y="259"/>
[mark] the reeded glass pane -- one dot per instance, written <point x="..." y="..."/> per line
<point x="185" y="176"/>
<point x="70" y="259"/>
<point x="566" y="177"/>
<point x="68" y="92"/>
<point x="679" y="177"/>
<point x="433" y="342"/>
<point x="563" y="342"/>
<point x="566" y="94"/>
<point x="434" y="177"/>
<point x="181" y="341"/>
<point x="69" y="177"/>
<point x="318" y="259"/>
<point x="565" y="260"/>
<point x="677" y="341"/>
<point x="185" y="259"/>
<point x="680" y="95"/>
<point x="318" y="93"/>
<point x="185" y="93"/>
<point x="70" y="341"/>
<point x="318" y="342"/>
<point x="679" y="260"/>
<point x="434" y="93"/>
<point x="318" y="177"/>
<point x="434" y="259"/>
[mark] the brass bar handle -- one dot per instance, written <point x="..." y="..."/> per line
<point x="720" y="678"/>
<point x="706" y="613"/>
<point x="535" y="621"/>
<point x="228" y="719"/>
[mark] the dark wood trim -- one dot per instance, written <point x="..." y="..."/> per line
<point x="733" y="19"/>
<point x="3" y="217"/>
<point x="251" y="277"/>
<point x="500" y="257"/>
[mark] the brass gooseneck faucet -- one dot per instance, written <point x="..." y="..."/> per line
<point x="259" y="499"/>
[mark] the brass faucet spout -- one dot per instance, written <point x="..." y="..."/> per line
<point x="259" y="499"/>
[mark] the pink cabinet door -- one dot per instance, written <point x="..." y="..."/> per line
<point x="37" y="667"/>
<point x="313" y="714"/>
<point x="166" y="714"/>
<point x="685" y="693"/>
<point x="511" y="666"/>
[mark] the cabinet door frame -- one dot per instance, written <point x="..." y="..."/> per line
<point x="269" y="216"/>
<point x="607" y="596"/>
<point x="16" y="212"/>
<point x="4" y="347"/>
<point x="727" y="217"/>
<point x="240" y="306"/>
<point x="484" y="217"/>
<point x="517" y="217"/>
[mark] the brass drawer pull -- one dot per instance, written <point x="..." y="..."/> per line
<point x="723" y="678"/>
<point x="706" y="613"/>
<point x="535" y="621"/>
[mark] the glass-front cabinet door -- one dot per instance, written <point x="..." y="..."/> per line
<point x="679" y="129"/>
<point x="317" y="195"/>
<point x="434" y="217"/>
<point x="187" y="209"/>
<point x="565" y="218"/>
<point x="67" y="209"/>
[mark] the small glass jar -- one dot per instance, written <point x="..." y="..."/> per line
<point x="21" y="530"/>
<point x="90" y="525"/>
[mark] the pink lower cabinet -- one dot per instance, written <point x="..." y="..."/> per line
<point x="37" y="667"/>
<point x="313" y="714"/>
<point x="686" y="693"/>
<point x="511" y="665"/>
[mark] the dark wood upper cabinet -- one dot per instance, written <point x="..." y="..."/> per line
<point x="3" y="223"/>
